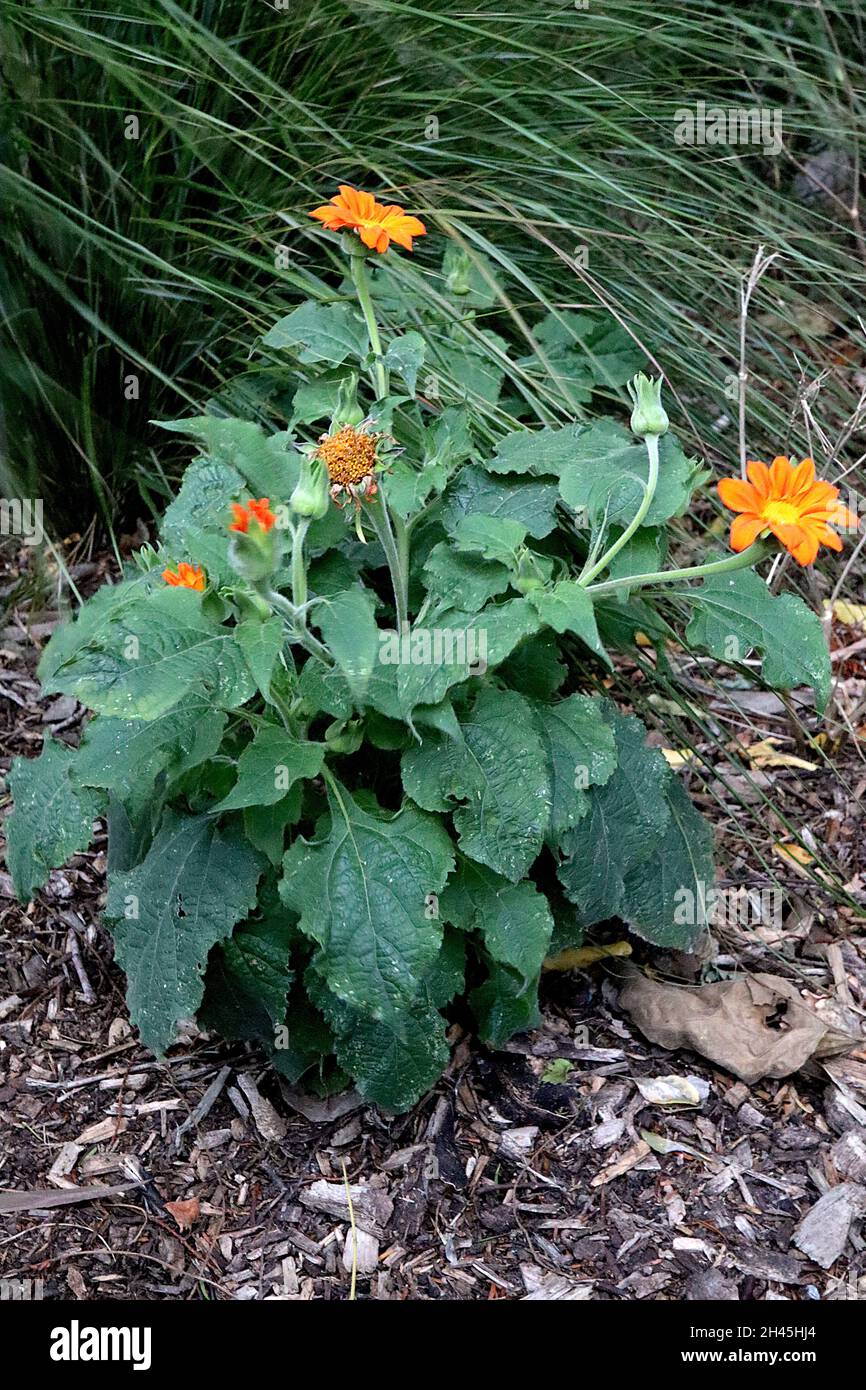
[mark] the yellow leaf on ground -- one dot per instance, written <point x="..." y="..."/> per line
<point x="677" y="757"/>
<point x="849" y="614"/>
<point x="576" y="957"/>
<point x="764" y="753"/>
<point x="796" y="856"/>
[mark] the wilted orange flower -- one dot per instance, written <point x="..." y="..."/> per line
<point x="187" y="577"/>
<point x="789" y="501"/>
<point x="376" y="224"/>
<point x="259" y="511"/>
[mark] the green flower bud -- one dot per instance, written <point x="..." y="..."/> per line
<point x="310" y="497"/>
<point x="348" y="411"/>
<point x="458" y="278"/>
<point x="253" y="556"/>
<point x="649" y="415"/>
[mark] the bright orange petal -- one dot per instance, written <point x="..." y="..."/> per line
<point x="803" y="477"/>
<point x="759" y="476"/>
<point x="739" y="496"/>
<point x="745" y="530"/>
<point x="780" y="476"/>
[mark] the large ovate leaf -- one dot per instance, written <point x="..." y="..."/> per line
<point x="347" y="622"/>
<point x="139" y="657"/>
<point x="434" y="656"/>
<point x="194" y="524"/>
<point x="320" y="333"/>
<point x="736" y="613"/>
<point x="581" y="753"/>
<point x="499" y="773"/>
<point x="269" y="766"/>
<point x="536" y="453"/>
<point x="625" y="823"/>
<point x="52" y="818"/>
<point x="665" y="897"/>
<point x="266" y="463"/>
<point x="530" y="501"/>
<point x="194" y="885"/>
<point x="405" y="356"/>
<point x="566" y="607"/>
<point x="394" y="1064"/>
<point x="247" y="980"/>
<point x="448" y="572"/>
<point x="609" y="467"/>
<point x="512" y="919"/>
<point x="492" y="537"/>
<point x="128" y="756"/>
<point x="261" y="642"/>
<point x="362" y="896"/>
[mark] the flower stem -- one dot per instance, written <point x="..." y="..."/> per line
<point x="299" y="569"/>
<point x="759" y="551"/>
<point x="297" y="626"/>
<point x="381" y="523"/>
<point x="361" y="282"/>
<point x="390" y="529"/>
<point x="652" y="448"/>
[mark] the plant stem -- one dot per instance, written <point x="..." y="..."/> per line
<point x="299" y="569"/>
<point x="391" y="531"/>
<point x="652" y="448"/>
<point x="361" y="282"/>
<point x="381" y="522"/>
<point x="297" y="626"/>
<point x="759" y="551"/>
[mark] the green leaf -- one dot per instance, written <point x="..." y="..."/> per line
<point x="535" y="668"/>
<point x="405" y="356"/>
<point x="448" y="572"/>
<point x="247" y="980"/>
<point x="325" y="688"/>
<point x="581" y="753"/>
<point x="736" y="613"/>
<point x="513" y="920"/>
<point x="624" y="825"/>
<point x="435" y="656"/>
<point x="566" y="607"/>
<point x="503" y="1005"/>
<point x="265" y="826"/>
<point x="127" y="756"/>
<point x="609" y="467"/>
<point x="347" y="623"/>
<point x="477" y="372"/>
<point x="531" y="501"/>
<point x="499" y="770"/>
<point x="140" y="657"/>
<point x="320" y="333"/>
<point x="269" y="767"/>
<point x="394" y="1064"/>
<point x="52" y="818"/>
<point x="666" y="895"/>
<point x="492" y="537"/>
<point x="194" y="525"/>
<point x="643" y="554"/>
<point x="362" y="895"/>
<point x="266" y="464"/>
<point x="193" y="886"/>
<point x="536" y="453"/>
<point x="315" y="400"/>
<point x="261" y="643"/>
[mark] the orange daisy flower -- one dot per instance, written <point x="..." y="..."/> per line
<point x="187" y="577"/>
<point x="789" y="501"/>
<point x="259" y="511"/>
<point x="377" y="225"/>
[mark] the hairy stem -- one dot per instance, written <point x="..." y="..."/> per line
<point x="652" y="448"/>
<point x="759" y="551"/>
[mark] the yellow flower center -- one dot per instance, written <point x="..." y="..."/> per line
<point x="349" y="455"/>
<point x="781" y="513"/>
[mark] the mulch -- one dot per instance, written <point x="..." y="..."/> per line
<point x="537" y="1172"/>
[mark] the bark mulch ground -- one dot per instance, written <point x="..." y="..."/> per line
<point x="539" y="1172"/>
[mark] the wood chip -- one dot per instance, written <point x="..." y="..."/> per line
<point x="270" y="1125"/>
<point x="823" y="1232"/>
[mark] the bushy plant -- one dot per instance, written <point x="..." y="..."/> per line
<point x="350" y="733"/>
